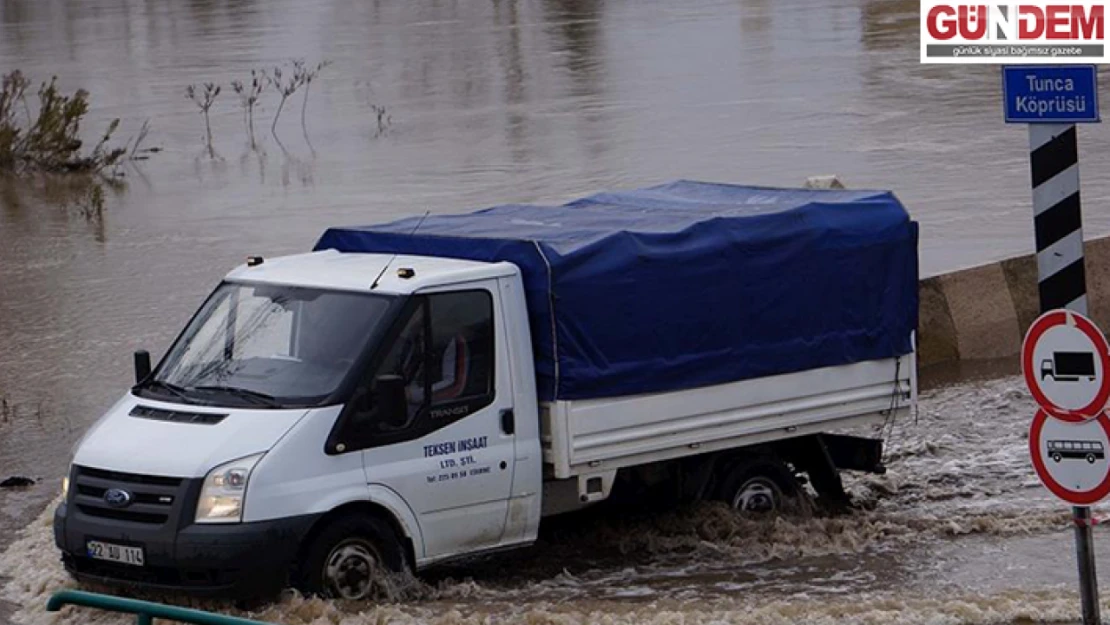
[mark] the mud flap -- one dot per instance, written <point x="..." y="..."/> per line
<point x="854" y="453"/>
<point x="822" y="456"/>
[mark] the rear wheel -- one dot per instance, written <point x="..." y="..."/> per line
<point x="759" y="486"/>
<point x="351" y="558"/>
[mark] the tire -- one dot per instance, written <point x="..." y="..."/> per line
<point x="1090" y="458"/>
<point x="1056" y="457"/>
<point x="350" y="558"/>
<point x="758" y="486"/>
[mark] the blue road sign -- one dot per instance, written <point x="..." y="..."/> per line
<point x="1050" y="94"/>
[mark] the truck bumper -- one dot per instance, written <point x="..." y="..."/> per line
<point x="242" y="560"/>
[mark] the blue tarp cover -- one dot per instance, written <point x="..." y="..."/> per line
<point x="688" y="284"/>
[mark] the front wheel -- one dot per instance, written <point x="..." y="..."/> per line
<point x="758" y="486"/>
<point x="351" y="558"/>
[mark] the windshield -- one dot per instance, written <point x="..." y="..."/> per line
<point x="268" y="346"/>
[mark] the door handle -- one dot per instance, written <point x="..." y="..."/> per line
<point x="508" y="421"/>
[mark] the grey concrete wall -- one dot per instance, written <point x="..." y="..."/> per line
<point x="982" y="313"/>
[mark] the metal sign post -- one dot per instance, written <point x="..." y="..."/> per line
<point x="1069" y="441"/>
<point x="1085" y="556"/>
<point x="1052" y="99"/>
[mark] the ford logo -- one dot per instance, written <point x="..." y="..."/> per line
<point x="117" y="498"/>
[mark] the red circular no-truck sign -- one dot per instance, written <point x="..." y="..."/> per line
<point x="1065" y="360"/>
<point x="1071" y="458"/>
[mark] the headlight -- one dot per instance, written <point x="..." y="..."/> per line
<point x="221" y="497"/>
<point x="65" y="488"/>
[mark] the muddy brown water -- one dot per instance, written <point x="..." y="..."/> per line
<point x="503" y="101"/>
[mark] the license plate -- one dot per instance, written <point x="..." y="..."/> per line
<point x="115" y="553"/>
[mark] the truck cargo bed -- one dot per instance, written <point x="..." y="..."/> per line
<point x="589" y="436"/>
<point x="687" y="284"/>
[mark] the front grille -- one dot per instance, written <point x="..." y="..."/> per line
<point x="98" y="492"/>
<point x="177" y="416"/>
<point x="131" y="478"/>
<point x="123" y="515"/>
<point x="155" y="500"/>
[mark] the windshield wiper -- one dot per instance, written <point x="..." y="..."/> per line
<point x="173" y="389"/>
<point x="244" y="393"/>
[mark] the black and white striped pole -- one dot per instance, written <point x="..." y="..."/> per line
<point x="1057" y="224"/>
<point x="1051" y="99"/>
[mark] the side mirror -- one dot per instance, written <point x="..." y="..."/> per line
<point x="389" y="398"/>
<point x="142" y="365"/>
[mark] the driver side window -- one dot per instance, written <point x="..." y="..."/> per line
<point x="437" y="369"/>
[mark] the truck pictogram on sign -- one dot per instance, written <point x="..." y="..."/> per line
<point x="1065" y="360"/>
<point x="1069" y="366"/>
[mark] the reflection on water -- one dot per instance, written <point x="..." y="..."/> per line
<point x="490" y="101"/>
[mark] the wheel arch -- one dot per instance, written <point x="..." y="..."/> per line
<point x="700" y="476"/>
<point x="752" y="456"/>
<point x="768" y="476"/>
<point x="725" y="462"/>
<point x="365" y="508"/>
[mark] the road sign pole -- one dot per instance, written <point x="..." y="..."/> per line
<point x="1085" y="556"/>
<point x="1061" y="282"/>
<point x="1051" y="99"/>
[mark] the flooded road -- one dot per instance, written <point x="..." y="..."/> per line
<point x="957" y="531"/>
<point x="499" y="101"/>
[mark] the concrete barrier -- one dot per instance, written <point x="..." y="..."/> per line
<point x="982" y="313"/>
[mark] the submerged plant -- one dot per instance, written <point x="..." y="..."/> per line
<point x="285" y="88"/>
<point x="45" y="146"/>
<point x="204" y="99"/>
<point x="12" y="90"/>
<point x="249" y="95"/>
<point x="51" y="140"/>
<point x="287" y="83"/>
<point x="307" y="76"/>
<point x="384" y="119"/>
<point x="138" y="152"/>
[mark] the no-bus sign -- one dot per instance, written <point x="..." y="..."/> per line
<point x="1065" y="359"/>
<point x="1071" y="458"/>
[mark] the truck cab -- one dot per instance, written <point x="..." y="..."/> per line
<point x="320" y="417"/>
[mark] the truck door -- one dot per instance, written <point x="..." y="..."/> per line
<point x="446" y="452"/>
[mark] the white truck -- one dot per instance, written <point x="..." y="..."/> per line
<point x="326" y="415"/>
